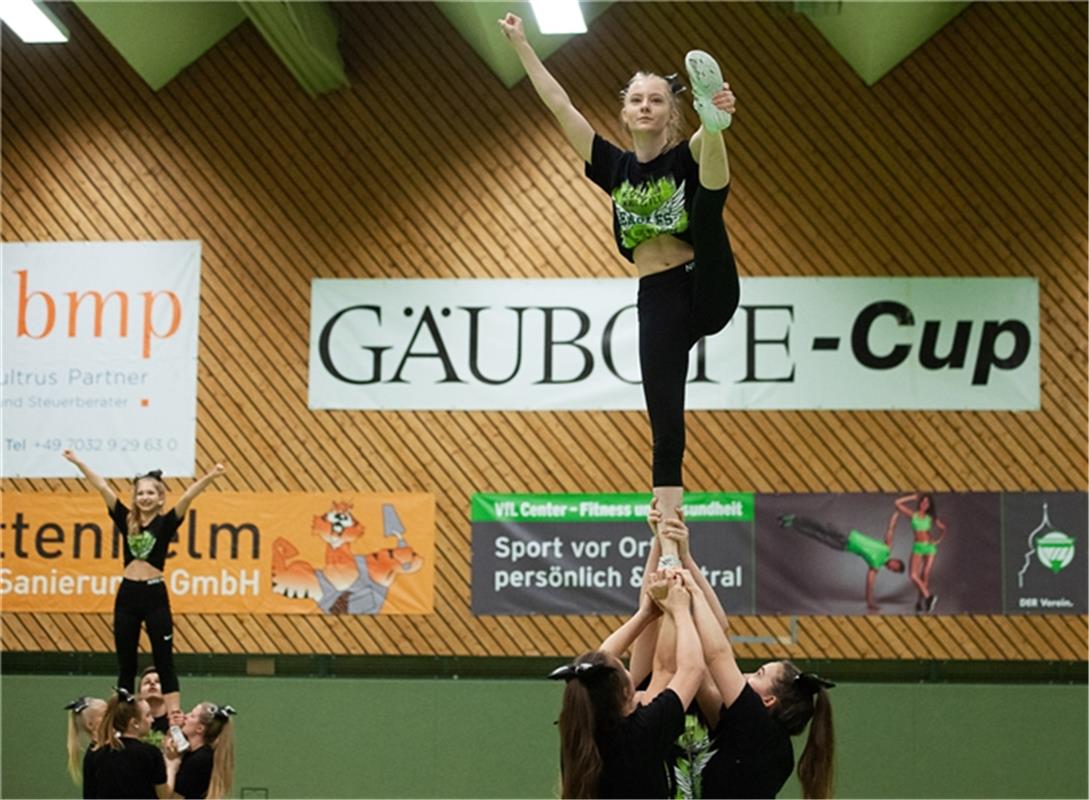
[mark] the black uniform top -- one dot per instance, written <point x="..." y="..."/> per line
<point x="161" y="724"/>
<point x="649" y="199"/>
<point x="754" y="755"/>
<point x="88" y="766"/>
<point x="132" y="772"/>
<point x="635" y="754"/>
<point x="150" y="544"/>
<point x="195" y="773"/>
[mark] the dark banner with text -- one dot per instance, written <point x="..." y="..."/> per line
<point x="584" y="554"/>
<point x="909" y="553"/>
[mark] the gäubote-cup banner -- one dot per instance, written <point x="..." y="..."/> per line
<point x="100" y="356"/>
<point x="255" y="553"/>
<point x="842" y="554"/>
<point x="794" y="343"/>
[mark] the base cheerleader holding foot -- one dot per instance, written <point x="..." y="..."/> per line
<point x="206" y="769"/>
<point x="121" y="765"/>
<point x="609" y="745"/>
<point x="753" y="716"/>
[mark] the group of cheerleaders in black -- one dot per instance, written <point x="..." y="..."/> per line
<point x="618" y="726"/>
<point x="196" y="758"/>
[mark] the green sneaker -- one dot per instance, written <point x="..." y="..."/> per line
<point x="706" y="80"/>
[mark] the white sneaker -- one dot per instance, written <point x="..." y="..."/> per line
<point x="706" y="80"/>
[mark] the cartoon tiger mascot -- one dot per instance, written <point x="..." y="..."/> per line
<point x="349" y="583"/>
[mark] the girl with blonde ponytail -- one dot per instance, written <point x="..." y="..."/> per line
<point x="85" y="714"/>
<point x="206" y="770"/>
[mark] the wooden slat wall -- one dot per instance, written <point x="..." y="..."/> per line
<point x="968" y="159"/>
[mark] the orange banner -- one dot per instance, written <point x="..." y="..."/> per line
<point x="235" y="553"/>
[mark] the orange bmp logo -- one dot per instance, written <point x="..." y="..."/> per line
<point x="147" y="330"/>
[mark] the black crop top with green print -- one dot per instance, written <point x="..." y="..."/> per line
<point x="649" y="199"/>
<point x="151" y="543"/>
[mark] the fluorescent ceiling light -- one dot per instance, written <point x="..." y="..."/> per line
<point x="558" y="16"/>
<point x="32" y="21"/>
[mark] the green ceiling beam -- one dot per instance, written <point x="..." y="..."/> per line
<point x="478" y="23"/>
<point x="873" y="37"/>
<point x="304" y="36"/>
<point x="160" y="39"/>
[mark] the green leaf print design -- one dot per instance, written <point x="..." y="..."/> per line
<point x="646" y="198"/>
<point x="695" y="743"/>
<point x="653" y="209"/>
<point x="141" y="544"/>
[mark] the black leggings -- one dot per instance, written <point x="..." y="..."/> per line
<point x="142" y="602"/>
<point x="825" y="534"/>
<point x="677" y="308"/>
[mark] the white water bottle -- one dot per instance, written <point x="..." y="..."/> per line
<point x="181" y="744"/>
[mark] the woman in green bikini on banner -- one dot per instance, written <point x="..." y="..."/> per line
<point x="873" y="551"/>
<point x="923" y="519"/>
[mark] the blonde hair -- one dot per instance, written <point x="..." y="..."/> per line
<point x="134" y="514"/>
<point x="219" y="735"/>
<point x="676" y="119"/>
<point x="81" y="710"/>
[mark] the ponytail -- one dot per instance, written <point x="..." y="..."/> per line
<point x="120" y="711"/>
<point x="219" y="735"/>
<point x="803" y="699"/>
<point x="81" y="720"/>
<point x="816" y="767"/>
<point x="580" y="761"/>
<point x="593" y="702"/>
<point x="75" y="765"/>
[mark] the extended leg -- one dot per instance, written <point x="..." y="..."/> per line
<point x="825" y="534"/>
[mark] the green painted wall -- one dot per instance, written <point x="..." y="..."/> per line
<point x="341" y="737"/>
<point x="873" y="37"/>
<point x="160" y="39"/>
<point x="304" y="36"/>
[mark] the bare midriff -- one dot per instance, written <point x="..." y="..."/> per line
<point x="141" y="571"/>
<point x="661" y="253"/>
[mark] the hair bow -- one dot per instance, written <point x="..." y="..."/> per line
<point x="569" y="671"/>
<point x="675" y="85"/>
<point x="125" y="695"/>
<point x="223" y="712"/>
<point x="813" y="681"/>
<point x="157" y="474"/>
<point x="78" y="704"/>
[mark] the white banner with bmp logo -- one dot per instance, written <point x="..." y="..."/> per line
<point x="100" y="357"/>
<point x="794" y="343"/>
